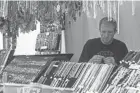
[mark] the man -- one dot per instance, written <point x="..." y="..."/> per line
<point x="105" y="49"/>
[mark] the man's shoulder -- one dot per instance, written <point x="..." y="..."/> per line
<point x="93" y="40"/>
<point x="119" y="42"/>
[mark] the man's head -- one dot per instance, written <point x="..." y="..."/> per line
<point x="107" y="28"/>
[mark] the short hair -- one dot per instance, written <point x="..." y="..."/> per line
<point x="109" y="20"/>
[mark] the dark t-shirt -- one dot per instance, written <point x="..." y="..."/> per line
<point x="116" y="49"/>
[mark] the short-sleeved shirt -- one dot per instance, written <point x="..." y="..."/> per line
<point x="116" y="49"/>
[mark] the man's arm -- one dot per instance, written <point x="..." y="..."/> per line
<point x="125" y="51"/>
<point x="85" y="54"/>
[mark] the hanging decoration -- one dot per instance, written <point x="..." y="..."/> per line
<point x="23" y="14"/>
<point x="72" y="8"/>
<point x="133" y="7"/>
<point x="3" y="8"/>
<point x="3" y="14"/>
<point x="47" y="14"/>
<point x="55" y="11"/>
<point x="109" y="7"/>
<point x="25" y="19"/>
<point x="118" y="21"/>
<point x="12" y="17"/>
<point x="3" y="25"/>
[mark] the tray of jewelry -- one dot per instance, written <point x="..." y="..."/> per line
<point x="23" y="69"/>
<point x="66" y="77"/>
<point x="124" y="80"/>
<point x="79" y="77"/>
<point x="52" y="75"/>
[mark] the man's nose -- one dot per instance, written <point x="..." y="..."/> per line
<point x="106" y="34"/>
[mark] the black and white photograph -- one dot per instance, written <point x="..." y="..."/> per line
<point x="69" y="46"/>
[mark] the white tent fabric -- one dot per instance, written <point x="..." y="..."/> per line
<point x="26" y="42"/>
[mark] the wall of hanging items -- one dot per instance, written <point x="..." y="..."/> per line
<point x="51" y="27"/>
<point x="23" y="71"/>
<point x="48" y="41"/>
<point x="82" y="77"/>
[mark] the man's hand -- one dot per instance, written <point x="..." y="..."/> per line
<point x="96" y="59"/>
<point x="109" y="60"/>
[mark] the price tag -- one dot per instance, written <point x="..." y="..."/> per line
<point x="43" y="47"/>
<point x="47" y="33"/>
<point x="28" y="90"/>
<point x="134" y="66"/>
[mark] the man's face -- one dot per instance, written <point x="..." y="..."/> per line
<point x="107" y="32"/>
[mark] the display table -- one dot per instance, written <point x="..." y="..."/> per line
<point x="19" y="69"/>
<point x="65" y="77"/>
<point x="33" y="88"/>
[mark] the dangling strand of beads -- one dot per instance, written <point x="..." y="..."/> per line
<point x="118" y="17"/>
<point x="133" y="7"/>
<point x="94" y="9"/>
